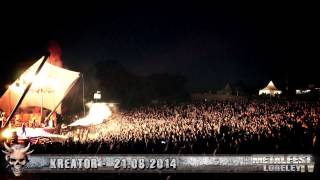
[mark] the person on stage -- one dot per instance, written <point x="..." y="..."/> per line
<point x="24" y="129"/>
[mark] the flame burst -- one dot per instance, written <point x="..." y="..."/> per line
<point x="98" y="112"/>
<point x="55" y="54"/>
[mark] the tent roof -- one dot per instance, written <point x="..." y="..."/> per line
<point x="48" y="88"/>
<point x="271" y="87"/>
<point x="227" y="87"/>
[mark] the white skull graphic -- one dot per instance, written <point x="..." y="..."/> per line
<point x="17" y="157"/>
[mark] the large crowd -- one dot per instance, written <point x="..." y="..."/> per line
<point x="237" y="127"/>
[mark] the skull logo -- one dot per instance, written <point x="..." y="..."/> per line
<point x="17" y="157"/>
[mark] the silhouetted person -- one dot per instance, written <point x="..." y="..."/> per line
<point x="24" y="129"/>
<point x="33" y="123"/>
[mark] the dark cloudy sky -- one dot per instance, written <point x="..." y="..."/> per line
<point x="210" y="44"/>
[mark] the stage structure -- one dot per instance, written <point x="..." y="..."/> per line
<point x="38" y="94"/>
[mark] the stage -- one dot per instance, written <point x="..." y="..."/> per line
<point x="32" y="133"/>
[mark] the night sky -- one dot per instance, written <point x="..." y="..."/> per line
<point x="209" y="44"/>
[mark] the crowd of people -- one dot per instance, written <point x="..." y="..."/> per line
<point x="236" y="127"/>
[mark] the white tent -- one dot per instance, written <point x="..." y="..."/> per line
<point x="48" y="88"/>
<point x="270" y="89"/>
<point x="227" y="90"/>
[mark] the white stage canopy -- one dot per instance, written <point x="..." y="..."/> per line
<point x="48" y="88"/>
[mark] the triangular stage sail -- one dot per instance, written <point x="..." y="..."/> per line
<point x="48" y="88"/>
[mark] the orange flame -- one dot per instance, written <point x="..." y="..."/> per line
<point x="55" y="54"/>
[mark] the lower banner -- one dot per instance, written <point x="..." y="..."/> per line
<point x="149" y="163"/>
